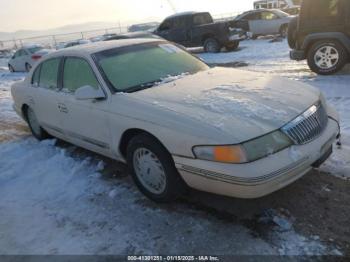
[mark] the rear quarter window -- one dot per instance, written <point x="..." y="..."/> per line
<point x="49" y="73"/>
<point x="36" y="76"/>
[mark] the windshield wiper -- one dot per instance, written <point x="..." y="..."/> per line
<point x="143" y="86"/>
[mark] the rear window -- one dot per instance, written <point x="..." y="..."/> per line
<point x="33" y="50"/>
<point x="325" y="8"/>
<point x="49" y="73"/>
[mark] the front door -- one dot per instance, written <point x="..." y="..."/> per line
<point x="84" y="121"/>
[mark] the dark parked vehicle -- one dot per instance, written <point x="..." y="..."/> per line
<point x="143" y="27"/>
<point x="132" y="36"/>
<point x="193" y="29"/>
<point x="321" y="34"/>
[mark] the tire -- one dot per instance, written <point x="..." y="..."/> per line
<point x="37" y="131"/>
<point x="28" y="67"/>
<point x="211" y="45"/>
<point x="146" y="156"/>
<point x="327" y="57"/>
<point x="12" y="70"/>
<point x="232" y="46"/>
<point x="284" y="31"/>
<point x="292" y="32"/>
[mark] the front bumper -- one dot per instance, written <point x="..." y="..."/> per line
<point x="297" y="55"/>
<point x="259" y="178"/>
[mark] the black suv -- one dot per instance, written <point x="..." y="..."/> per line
<point x="321" y="34"/>
<point x="193" y="29"/>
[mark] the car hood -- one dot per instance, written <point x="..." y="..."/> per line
<point x="241" y="105"/>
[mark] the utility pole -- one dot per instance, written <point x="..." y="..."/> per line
<point x="172" y="6"/>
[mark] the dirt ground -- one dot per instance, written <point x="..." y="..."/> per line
<point x="318" y="202"/>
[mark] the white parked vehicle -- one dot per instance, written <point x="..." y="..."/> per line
<point x="25" y="58"/>
<point x="177" y="122"/>
<point x="266" y="22"/>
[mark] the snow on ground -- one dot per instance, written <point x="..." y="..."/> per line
<point x="273" y="58"/>
<point x="55" y="201"/>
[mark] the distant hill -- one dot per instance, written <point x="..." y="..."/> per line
<point x="61" y="30"/>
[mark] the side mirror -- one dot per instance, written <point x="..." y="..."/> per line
<point x="89" y="93"/>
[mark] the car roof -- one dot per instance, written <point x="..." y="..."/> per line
<point x="185" y="14"/>
<point x="92" y="48"/>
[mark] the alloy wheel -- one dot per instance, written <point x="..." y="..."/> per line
<point x="326" y="57"/>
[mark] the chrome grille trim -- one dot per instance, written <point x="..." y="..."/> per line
<point x="308" y="125"/>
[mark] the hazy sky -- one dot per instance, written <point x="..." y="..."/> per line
<point x="46" y="14"/>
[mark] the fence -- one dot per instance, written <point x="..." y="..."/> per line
<point x="53" y="41"/>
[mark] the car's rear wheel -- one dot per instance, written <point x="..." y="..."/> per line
<point x="211" y="45"/>
<point x="284" y="31"/>
<point x="153" y="169"/>
<point x="12" y="70"/>
<point x="232" y="46"/>
<point x="327" y="57"/>
<point x="28" y="67"/>
<point x="37" y="131"/>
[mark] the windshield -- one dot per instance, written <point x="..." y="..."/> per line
<point x="137" y="67"/>
<point x="33" y="50"/>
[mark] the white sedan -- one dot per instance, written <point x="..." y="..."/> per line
<point x="24" y="58"/>
<point x="175" y="121"/>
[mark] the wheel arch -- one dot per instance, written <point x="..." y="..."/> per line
<point x="332" y="36"/>
<point x="207" y="36"/>
<point x="130" y="134"/>
<point x="24" y="108"/>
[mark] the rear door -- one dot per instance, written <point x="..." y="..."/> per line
<point x="45" y="96"/>
<point x="22" y="60"/>
<point x="84" y="121"/>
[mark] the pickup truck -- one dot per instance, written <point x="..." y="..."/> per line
<point x="193" y="29"/>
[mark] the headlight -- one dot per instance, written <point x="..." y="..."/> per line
<point x="246" y="152"/>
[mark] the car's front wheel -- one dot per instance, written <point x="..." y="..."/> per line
<point x="28" y="67"/>
<point x="284" y="31"/>
<point x="327" y="57"/>
<point x="37" y="131"/>
<point x="12" y="70"/>
<point x="211" y="45"/>
<point x="153" y="169"/>
<point x="232" y="46"/>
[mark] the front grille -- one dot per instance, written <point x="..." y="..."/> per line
<point x="307" y="126"/>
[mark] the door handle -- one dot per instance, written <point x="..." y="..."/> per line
<point x="62" y="108"/>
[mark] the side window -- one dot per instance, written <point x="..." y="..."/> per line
<point x="49" y="73"/>
<point x="253" y="16"/>
<point x="179" y="23"/>
<point x="16" y="54"/>
<point x="325" y="8"/>
<point x="77" y="73"/>
<point x="202" y="19"/>
<point x="268" y="16"/>
<point x="36" y="76"/>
